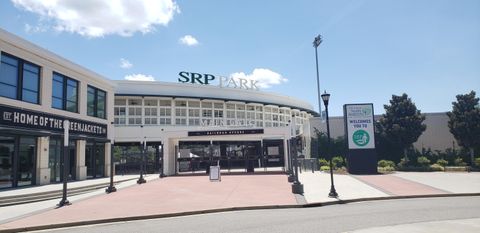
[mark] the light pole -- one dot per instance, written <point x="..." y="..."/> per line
<point x="111" y="188"/>
<point x="66" y="126"/>
<point x="316" y="42"/>
<point x="143" y="145"/>
<point x="333" y="193"/>
<point x="297" y="187"/>
<point x="291" y="176"/>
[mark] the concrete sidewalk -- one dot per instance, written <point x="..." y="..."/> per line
<point x="351" y="187"/>
<point x="173" y="196"/>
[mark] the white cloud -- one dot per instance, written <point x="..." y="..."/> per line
<point x="93" y="18"/>
<point x="139" y="77"/>
<point x="265" y="77"/>
<point x="125" y="64"/>
<point x="34" y="29"/>
<point x="188" y="40"/>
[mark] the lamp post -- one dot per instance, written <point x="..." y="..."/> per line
<point x="291" y="176"/>
<point x="297" y="187"/>
<point x="143" y="145"/>
<point x="316" y="42"/>
<point x="111" y="188"/>
<point x="66" y="126"/>
<point x="160" y="148"/>
<point x="333" y="193"/>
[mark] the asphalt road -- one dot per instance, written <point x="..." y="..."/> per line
<point x="335" y="218"/>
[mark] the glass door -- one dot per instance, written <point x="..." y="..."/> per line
<point x="7" y="151"/>
<point x="55" y="152"/>
<point x="95" y="159"/>
<point x="26" y="161"/>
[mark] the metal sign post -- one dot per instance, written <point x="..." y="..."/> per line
<point x="66" y="126"/>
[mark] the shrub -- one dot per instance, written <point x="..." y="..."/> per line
<point x="337" y="161"/>
<point x="437" y="168"/>
<point x="477" y="162"/>
<point x="324" y="168"/>
<point x="322" y="162"/>
<point x="423" y="161"/>
<point x="403" y="162"/>
<point x="442" y="162"/>
<point x="386" y="169"/>
<point x="386" y="163"/>
<point x="459" y="162"/>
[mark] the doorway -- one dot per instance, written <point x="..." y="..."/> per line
<point x="95" y="159"/>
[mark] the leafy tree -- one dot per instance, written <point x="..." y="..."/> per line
<point x="320" y="142"/>
<point x="400" y="126"/>
<point x="464" y="122"/>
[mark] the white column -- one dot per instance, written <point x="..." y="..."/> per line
<point x="80" y="169"/>
<point x="42" y="171"/>
<point x="107" y="159"/>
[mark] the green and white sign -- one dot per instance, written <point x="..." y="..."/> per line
<point x="360" y="128"/>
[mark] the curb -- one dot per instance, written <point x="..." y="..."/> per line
<point x="229" y="209"/>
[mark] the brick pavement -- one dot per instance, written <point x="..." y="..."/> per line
<point x="170" y="195"/>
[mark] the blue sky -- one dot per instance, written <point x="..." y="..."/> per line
<point x="371" y="49"/>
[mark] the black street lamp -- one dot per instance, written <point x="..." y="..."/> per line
<point x="316" y="43"/>
<point x="111" y="188"/>
<point x="161" y="175"/>
<point x="326" y="98"/>
<point x="291" y="176"/>
<point x="297" y="187"/>
<point x="64" y="161"/>
<point x="143" y="145"/>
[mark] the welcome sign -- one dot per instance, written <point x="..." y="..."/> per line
<point x="360" y="128"/>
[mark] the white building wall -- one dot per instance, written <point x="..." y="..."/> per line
<point x="437" y="135"/>
<point x="50" y="63"/>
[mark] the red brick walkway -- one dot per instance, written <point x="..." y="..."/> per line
<point x="397" y="186"/>
<point x="170" y="195"/>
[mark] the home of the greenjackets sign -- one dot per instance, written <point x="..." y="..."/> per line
<point x="21" y="118"/>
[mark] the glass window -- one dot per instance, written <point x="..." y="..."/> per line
<point x="181" y="103"/>
<point x="10" y="79"/>
<point x="120" y="102"/>
<point x="166" y="103"/>
<point x="230" y="106"/>
<point x="96" y="102"/>
<point x="218" y="105"/>
<point x="206" y="104"/>
<point x="194" y="112"/>
<point x="206" y="113"/>
<point x="218" y="113"/>
<point x="193" y="104"/>
<point x="64" y="93"/>
<point x="134" y="102"/>
<point x="91" y="101"/>
<point x="150" y="102"/>
<point x="181" y="112"/>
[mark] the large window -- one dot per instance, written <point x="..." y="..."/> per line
<point x="96" y="102"/>
<point x="64" y="93"/>
<point x="19" y="79"/>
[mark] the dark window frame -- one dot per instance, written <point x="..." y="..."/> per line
<point x="95" y="102"/>
<point x="20" y="78"/>
<point x="64" y="93"/>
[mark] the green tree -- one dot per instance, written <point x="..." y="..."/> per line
<point x="400" y="126"/>
<point x="320" y="142"/>
<point x="464" y="122"/>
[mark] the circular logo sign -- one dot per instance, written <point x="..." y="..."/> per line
<point x="360" y="137"/>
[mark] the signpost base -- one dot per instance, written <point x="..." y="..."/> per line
<point x="362" y="162"/>
<point x="297" y="188"/>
